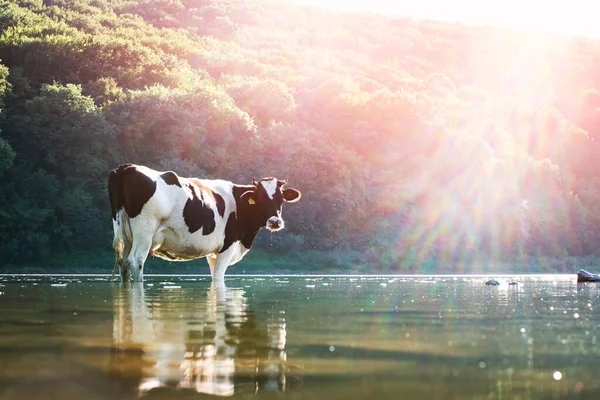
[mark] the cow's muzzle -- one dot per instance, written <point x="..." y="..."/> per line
<point x="274" y="224"/>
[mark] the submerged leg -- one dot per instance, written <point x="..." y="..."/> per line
<point x="122" y="262"/>
<point x="118" y="246"/>
<point x="112" y="277"/>
<point x="125" y="272"/>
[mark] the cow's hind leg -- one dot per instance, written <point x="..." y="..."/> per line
<point x="122" y="262"/>
<point x="117" y="264"/>
<point x="142" y="231"/>
<point x="121" y="252"/>
<point x="117" y="246"/>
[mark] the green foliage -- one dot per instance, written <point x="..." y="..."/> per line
<point x="7" y="155"/>
<point x="4" y="85"/>
<point x="265" y="100"/>
<point x="418" y="145"/>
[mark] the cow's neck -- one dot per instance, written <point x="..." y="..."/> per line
<point x="248" y="224"/>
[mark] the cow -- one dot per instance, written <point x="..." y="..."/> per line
<point x="158" y="213"/>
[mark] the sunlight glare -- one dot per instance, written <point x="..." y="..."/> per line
<point x="575" y="17"/>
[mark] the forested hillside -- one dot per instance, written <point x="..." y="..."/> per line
<point x="417" y="145"/>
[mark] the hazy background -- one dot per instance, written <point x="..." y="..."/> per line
<point x="419" y="146"/>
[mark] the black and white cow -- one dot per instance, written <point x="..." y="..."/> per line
<point x="179" y="219"/>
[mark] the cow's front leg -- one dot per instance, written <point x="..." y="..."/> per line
<point x="223" y="261"/>
<point x="212" y="262"/>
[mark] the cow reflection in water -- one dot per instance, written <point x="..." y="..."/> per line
<point x="210" y="342"/>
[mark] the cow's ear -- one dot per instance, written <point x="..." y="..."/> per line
<point x="248" y="197"/>
<point x="291" y="195"/>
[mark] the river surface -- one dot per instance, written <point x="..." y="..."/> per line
<point x="299" y="337"/>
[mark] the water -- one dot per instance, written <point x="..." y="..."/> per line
<point x="81" y="337"/>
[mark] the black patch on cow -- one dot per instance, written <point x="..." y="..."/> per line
<point x="115" y="192"/>
<point x="197" y="214"/>
<point x="171" y="178"/>
<point x="113" y="189"/>
<point x="137" y="189"/>
<point x="130" y="189"/>
<point x="248" y="238"/>
<point x="236" y="229"/>
<point x="231" y="232"/>
<point x="220" y="204"/>
<point x="245" y="224"/>
<point x="239" y="190"/>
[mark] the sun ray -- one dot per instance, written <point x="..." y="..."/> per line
<point x="575" y="17"/>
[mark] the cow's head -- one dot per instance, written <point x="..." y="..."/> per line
<point x="266" y="200"/>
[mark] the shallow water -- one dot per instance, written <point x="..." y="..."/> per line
<point x="81" y="337"/>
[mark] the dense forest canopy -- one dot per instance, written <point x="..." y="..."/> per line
<point x="413" y="142"/>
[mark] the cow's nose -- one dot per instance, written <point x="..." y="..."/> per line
<point x="275" y="223"/>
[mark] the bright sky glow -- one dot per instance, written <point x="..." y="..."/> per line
<point x="573" y="17"/>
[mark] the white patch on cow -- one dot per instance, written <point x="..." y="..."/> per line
<point x="270" y="187"/>
<point x="149" y="172"/>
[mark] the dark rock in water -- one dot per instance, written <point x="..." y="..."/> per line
<point x="584" y="276"/>
<point x="513" y="283"/>
<point x="492" y="282"/>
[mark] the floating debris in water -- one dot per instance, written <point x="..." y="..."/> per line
<point x="492" y="282"/>
<point x="584" y="276"/>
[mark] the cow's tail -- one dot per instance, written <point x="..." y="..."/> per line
<point x="119" y="216"/>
